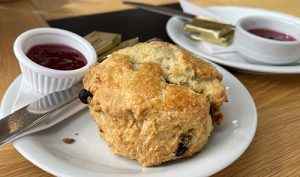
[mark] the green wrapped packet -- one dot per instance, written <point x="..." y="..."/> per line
<point x="103" y="41"/>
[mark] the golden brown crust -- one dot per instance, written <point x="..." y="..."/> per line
<point x="153" y="98"/>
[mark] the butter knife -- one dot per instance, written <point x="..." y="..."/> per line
<point x="197" y="27"/>
<point x="23" y="119"/>
<point x="15" y="124"/>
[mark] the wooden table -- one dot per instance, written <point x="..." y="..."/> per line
<point x="275" y="149"/>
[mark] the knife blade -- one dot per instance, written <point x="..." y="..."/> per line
<point x="197" y="27"/>
<point x="162" y="10"/>
<point x="27" y="117"/>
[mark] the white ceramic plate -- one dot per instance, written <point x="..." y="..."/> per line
<point x="89" y="156"/>
<point x="233" y="60"/>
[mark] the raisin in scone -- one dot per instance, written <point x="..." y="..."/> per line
<point x="154" y="102"/>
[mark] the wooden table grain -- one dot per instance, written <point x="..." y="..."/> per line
<point x="275" y="148"/>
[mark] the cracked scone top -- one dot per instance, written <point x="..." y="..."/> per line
<point x="154" y="102"/>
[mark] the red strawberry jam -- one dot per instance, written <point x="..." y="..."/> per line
<point x="271" y="34"/>
<point x="57" y="56"/>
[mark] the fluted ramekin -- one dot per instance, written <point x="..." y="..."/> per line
<point x="45" y="80"/>
<point x="260" y="50"/>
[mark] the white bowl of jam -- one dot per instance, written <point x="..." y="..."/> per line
<point x="53" y="59"/>
<point x="268" y="40"/>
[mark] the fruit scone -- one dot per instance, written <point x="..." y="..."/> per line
<point x="154" y="102"/>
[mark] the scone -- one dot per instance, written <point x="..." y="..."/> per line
<point x="154" y="102"/>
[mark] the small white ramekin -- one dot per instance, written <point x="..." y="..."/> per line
<point x="45" y="80"/>
<point x="267" y="51"/>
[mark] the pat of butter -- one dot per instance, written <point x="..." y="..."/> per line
<point x="208" y="30"/>
<point x="222" y="41"/>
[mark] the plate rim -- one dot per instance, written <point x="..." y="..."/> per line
<point x="268" y="69"/>
<point x="20" y="149"/>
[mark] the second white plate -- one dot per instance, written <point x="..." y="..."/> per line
<point x="233" y="60"/>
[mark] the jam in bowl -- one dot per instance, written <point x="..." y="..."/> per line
<point x="271" y="34"/>
<point x="56" y="56"/>
<point x="53" y="59"/>
<point x="268" y="40"/>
